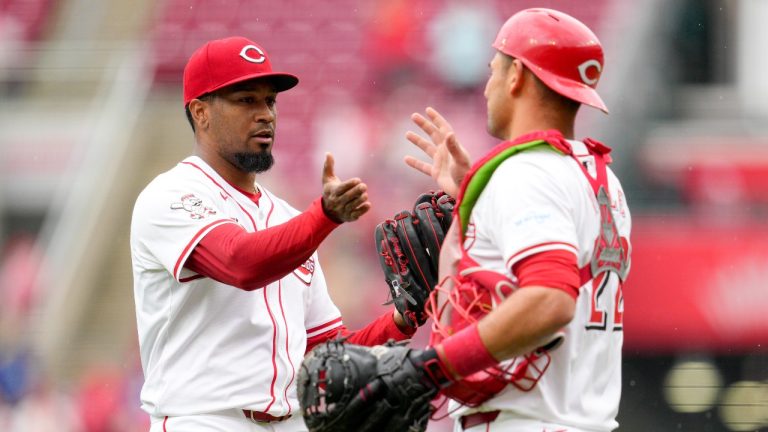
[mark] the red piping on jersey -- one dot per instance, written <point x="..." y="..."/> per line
<point x="274" y="340"/>
<point x="274" y="351"/>
<point x="288" y="353"/>
<point x="272" y="207"/>
<point x="322" y="326"/>
<point x="191" y="278"/>
<point x="193" y="241"/>
<point x="313" y="341"/>
<point x="165" y="420"/>
<point x="225" y="191"/>
<point x="538" y="246"/>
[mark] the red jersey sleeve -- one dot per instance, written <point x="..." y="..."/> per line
<point x="251" y="260"/>
<point x="555" y="269"/>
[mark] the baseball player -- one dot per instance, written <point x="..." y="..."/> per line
<point x="543" y="229"/>
<point x="228" y="288"/>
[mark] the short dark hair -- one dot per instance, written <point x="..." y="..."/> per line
<point x="506" y="60"/>
<point x="546" y="93"/>
<point x="205" y="97"/>
<point x="566" y="103"/>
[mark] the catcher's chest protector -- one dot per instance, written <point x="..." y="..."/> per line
<point x="476" y="291"/>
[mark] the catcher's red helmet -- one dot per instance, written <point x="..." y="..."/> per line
<point x="559" y="49"/>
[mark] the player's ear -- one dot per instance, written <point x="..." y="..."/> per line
<point x="515" y="76"/>
<point x="200" y="113"/>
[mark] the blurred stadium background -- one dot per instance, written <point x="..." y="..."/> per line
<point x="90" y="111"/>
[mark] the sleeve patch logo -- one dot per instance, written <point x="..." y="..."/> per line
<point x="306" y="271"/>
<point x="194" y="206"/>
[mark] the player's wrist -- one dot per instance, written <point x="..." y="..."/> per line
<point x="402" y="325"/>
<point x="464" y="353"/>
<point x="319" y="210"/>
<point x="328" y="214"/>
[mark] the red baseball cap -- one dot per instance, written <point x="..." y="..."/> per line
<point x="223" y="62"/>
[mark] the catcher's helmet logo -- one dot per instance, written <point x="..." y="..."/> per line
<point x="585" y="75"/>
<point x="194" y="206"/>
<point x="259" y="59"/>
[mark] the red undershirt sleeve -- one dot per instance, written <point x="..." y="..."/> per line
<point x="554" y="269"/>
<point x="251" y="260"/>
<point x="377" y="332"/>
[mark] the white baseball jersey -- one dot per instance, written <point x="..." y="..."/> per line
<point x="540" y="200"/>
<point x="207" y="346"/>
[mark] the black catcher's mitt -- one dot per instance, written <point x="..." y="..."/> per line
<point x="409" y="250"/>
<point x="352" y="388"/>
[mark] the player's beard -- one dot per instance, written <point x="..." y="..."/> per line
<point x="254" y="162"/>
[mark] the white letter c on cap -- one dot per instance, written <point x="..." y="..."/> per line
<point x="583" y="71"/>
<point x="259" y="59"/>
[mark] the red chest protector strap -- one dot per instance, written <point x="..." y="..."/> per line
<point x="599" y="184"/>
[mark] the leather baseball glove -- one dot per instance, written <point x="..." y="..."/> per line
<point x="409" y="250"/>
<point x="351" y="388"/>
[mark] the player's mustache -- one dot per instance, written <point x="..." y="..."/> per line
<point x="264" y="132"/>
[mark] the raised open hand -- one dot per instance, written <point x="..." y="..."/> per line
<point x="450" y="161"/>
<point x="343" y="201"/>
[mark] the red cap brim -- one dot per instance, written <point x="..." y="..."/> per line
<point x="282" y="81"/>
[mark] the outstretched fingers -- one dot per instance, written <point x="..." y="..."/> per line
<point x="436" y="134"/>
<point x="423" y="123"/>
<point x="427" y="147"/>
<point x="450" y="161"/>
<point x="421" y="166"/>
<point x="439" y="121"/>
<point x="459" y="153"/>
